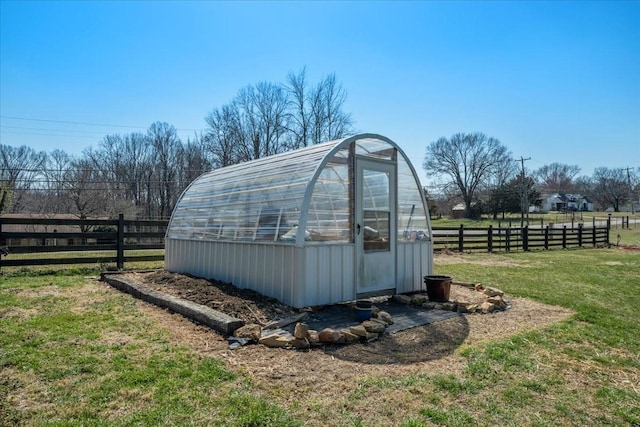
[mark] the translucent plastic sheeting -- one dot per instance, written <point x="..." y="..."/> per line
<point x="262" y="200"/>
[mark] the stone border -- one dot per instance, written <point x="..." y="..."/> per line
<point x="214" y="319"/>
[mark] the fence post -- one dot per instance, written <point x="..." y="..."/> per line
<point x="490" y="239"/>
<point x="627" y="222"/>
<point x="593" y="235"/>
<point x="507" y="240"/>
<point x="120" y="244"/>
<point x="608" y="242"/>
<point x="546" y="237"/>
<point x="564" y="237"/>
<point x="609" y="224"/>
<point x="525" y="238"/>
<point x="461" y="238"/>
<point x="580" y="234"/>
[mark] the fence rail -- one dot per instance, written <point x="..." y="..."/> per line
<point x="31" y="236"/>
<point x="116" y="236"/>
<point x="507" y="239"/>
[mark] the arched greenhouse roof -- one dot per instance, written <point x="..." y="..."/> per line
<point x="297" y="197"/>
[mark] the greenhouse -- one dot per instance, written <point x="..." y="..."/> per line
<point x="329" y="223"/>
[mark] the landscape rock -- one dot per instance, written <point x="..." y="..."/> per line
<point x="479" y="287"/>
<point x="498" y="301"/>
<point x="403" y="299"/>
<point x="312" y="337"/>
<point x="492" y="292"/>
<point x="430" y="305"/>
<point x="385" y="317"/>
<point x="300" y="331"/>
<point x="250" y="331"/>
<point x="419" y="299"/>
<point x="299" y="343"/>
<point x="447" y="306"/>
<point x="329" y="336"/>
<point x="467" y="308"/>
<point x="373" y="326"/>
<point x="487" y="307"/>
<point x="360" y="331"/>
<point x="275" y="340"/>
<point x="349" y="338"/>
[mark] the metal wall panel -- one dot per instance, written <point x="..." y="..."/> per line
<point x="308" y="276"/>
<point x="268" y="269"/>
<point x="414" y="261"/>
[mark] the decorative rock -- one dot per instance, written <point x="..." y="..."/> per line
<point x="300" y="331"/>
<point x="498" y="301"/>
<point x="299" y="343"/>
<point x="385" y="317"/>
<point x="487" y="307"/>
<point x="360" y="331"/>
<point x="250" y="331"/>
<point x="419" y="299"/>
<point x="329" y="336"/>
<point x="467" y="308"/>
<point x="403" y="299"/>
<point x="349" y="337"/>
<point x="448" y="306"/>
<point x="375" y="310"/>
<point x="312" y="337"/>
<point x="373" y="326"/>
<point x="430" y="305"/>
<point x="492" y="292"/>
<point x="275" y="340"/>
<point x="479" y="287"/>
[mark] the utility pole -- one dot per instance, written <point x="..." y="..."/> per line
<point x="523" y="195"/>
<point x="628" y="169"/>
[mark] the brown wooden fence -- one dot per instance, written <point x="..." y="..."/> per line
<point x="507" y="239"/>
<point x="42" y="236"/>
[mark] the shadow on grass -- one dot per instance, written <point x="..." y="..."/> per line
<point x="420" y="344"/>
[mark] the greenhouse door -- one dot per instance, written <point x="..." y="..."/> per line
<point x="375" y="226"/>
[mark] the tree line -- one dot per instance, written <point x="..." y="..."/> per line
<point x="142" y="174"/>
<point x="481" y="173"/>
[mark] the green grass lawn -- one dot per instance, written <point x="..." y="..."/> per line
<point x="73" y="352"/>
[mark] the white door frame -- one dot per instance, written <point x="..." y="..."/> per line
<point x="376" y="264"/>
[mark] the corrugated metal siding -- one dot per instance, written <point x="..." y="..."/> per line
<point x="328" y="274"/>
<point x="414" y="261"/>
<point x="271" y="270"/>
<point x="309" y="276"/>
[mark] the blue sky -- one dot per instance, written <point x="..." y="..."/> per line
<point x="554" y="81"/>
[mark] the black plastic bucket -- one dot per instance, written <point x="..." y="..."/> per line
<point x="363" y="309"/>
<point x="438" y="287"/>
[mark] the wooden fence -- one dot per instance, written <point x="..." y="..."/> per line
<point x="506" y="239"/>
<point x="42" y="236"/>
<point x="34" y="236"/>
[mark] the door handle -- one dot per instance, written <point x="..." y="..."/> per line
<point x="358" y="229"/>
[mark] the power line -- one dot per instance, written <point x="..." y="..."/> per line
<point x="86" y="123"/>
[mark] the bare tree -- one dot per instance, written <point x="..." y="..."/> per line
<point x="328" y="120"/>
<point x="557" y="178"/>
<point x="611" y="187"/>
<point x="166" y="151"/>
<point x="468" y="160"/>
<point x="55" y="196"/>
<point x="224" y="137"/>
<point x="20" y="169"/>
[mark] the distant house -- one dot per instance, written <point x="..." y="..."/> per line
<point x="565" y="202"/>
<point x="40" y="228"/>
